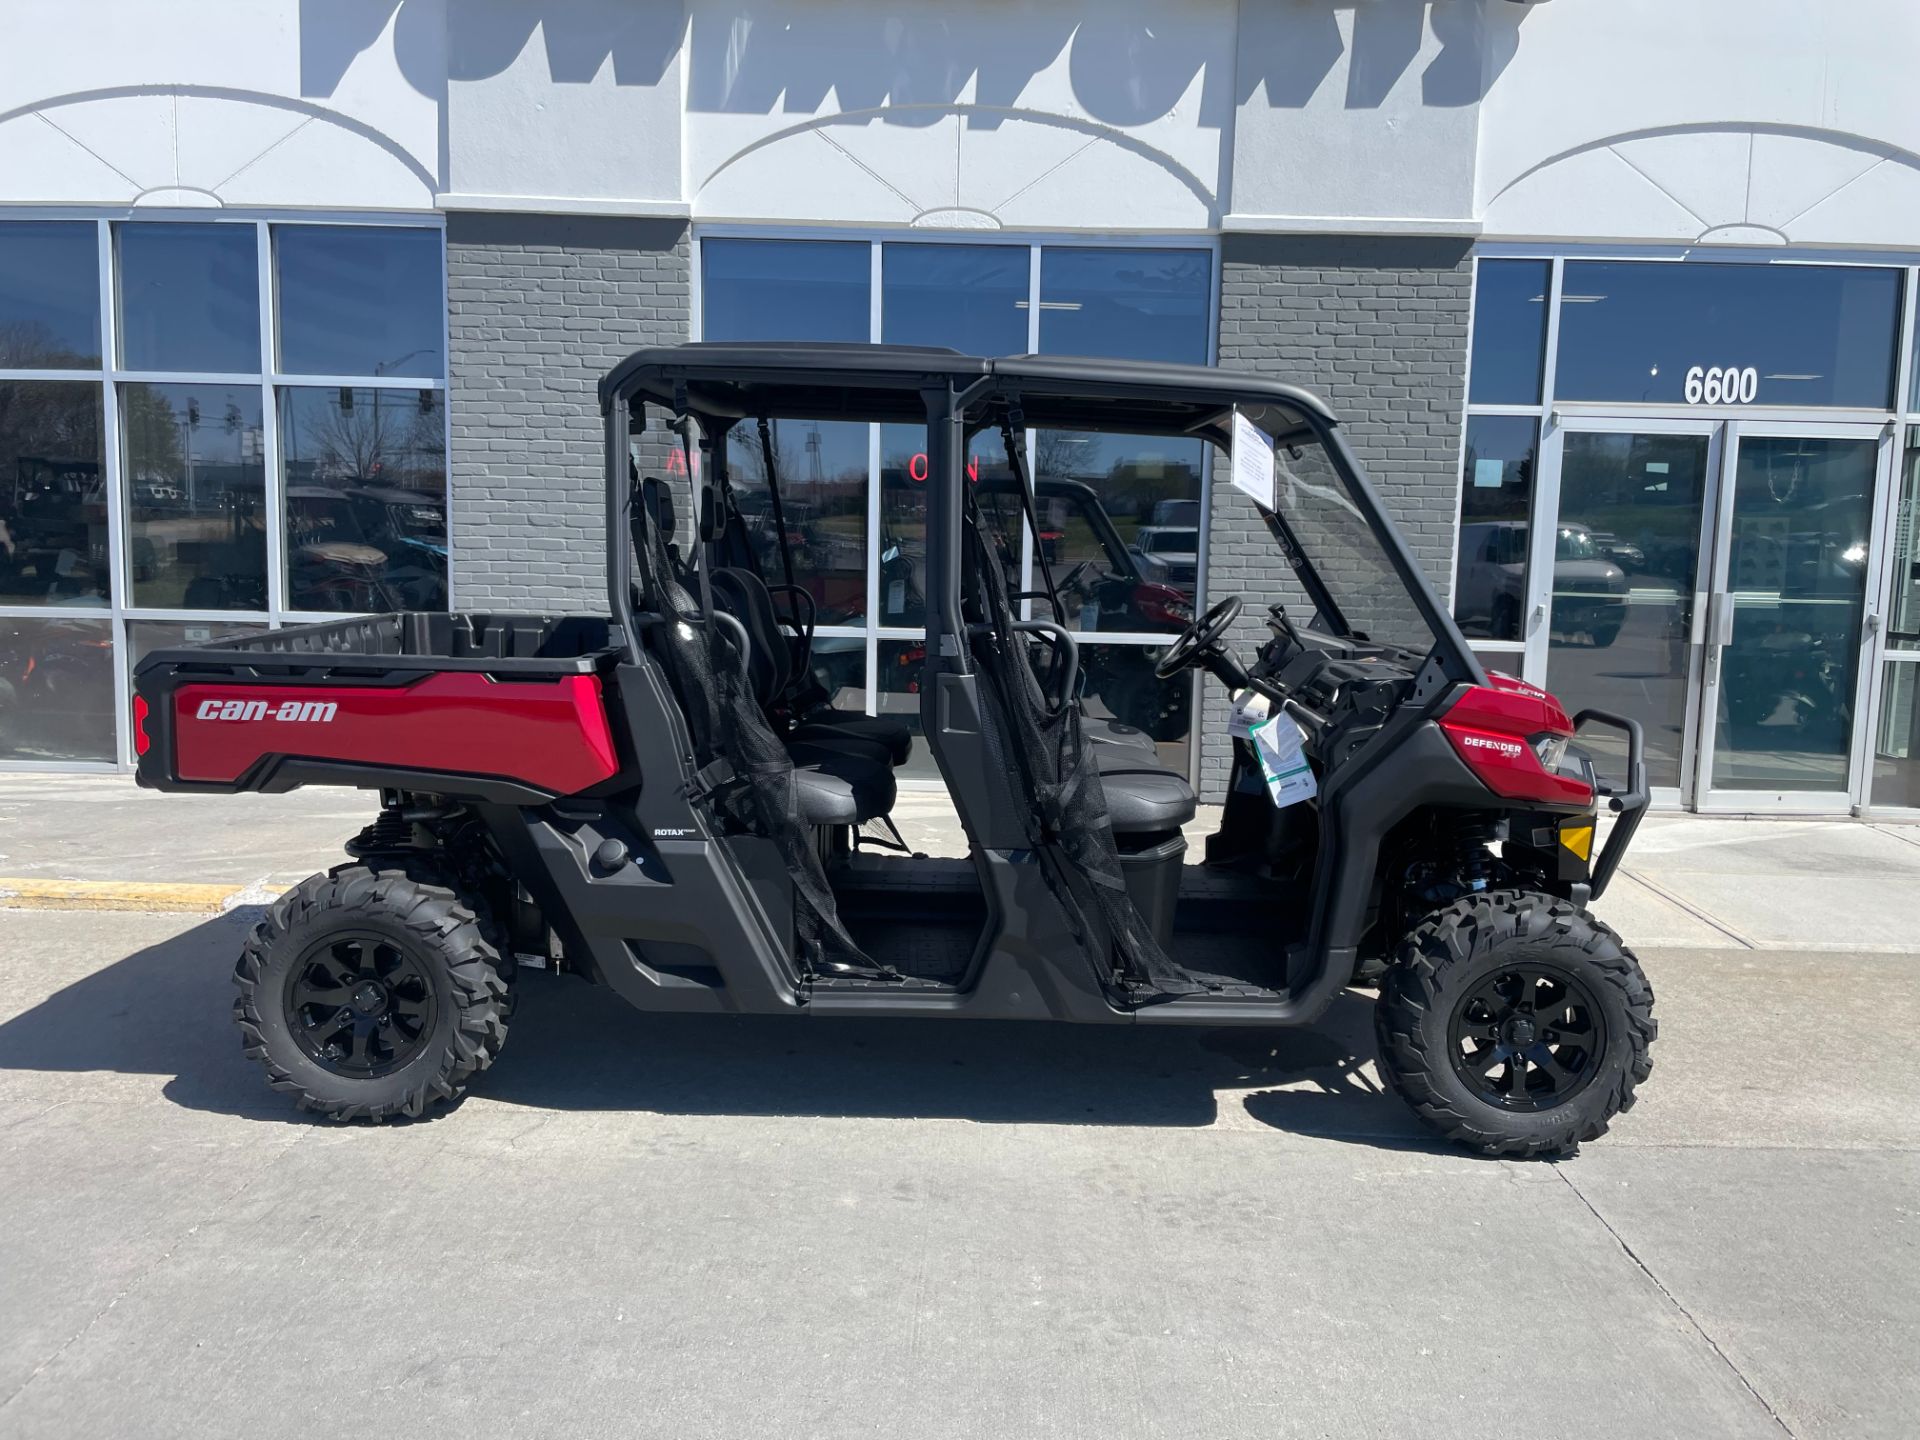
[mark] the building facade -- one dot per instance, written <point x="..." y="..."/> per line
<point x="302" y="304"/>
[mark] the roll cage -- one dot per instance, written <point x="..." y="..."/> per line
<point x="715" y="385"/>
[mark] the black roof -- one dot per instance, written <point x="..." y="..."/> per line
<point x="883" y="382"/>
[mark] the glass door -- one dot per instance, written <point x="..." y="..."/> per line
<point x="1619" y="616"/>
<point x="1786" y="646"/>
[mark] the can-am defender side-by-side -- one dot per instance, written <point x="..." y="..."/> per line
<point x="663" y="801"/>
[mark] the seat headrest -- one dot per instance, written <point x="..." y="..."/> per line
<point x="657" y="499"/>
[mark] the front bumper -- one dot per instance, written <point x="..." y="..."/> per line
<point x="1629" y="804"/>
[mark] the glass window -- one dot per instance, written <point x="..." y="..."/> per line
<point x="1496" y="513"/>
<point x="1126" y="304"/>
<point x="146" y="636"/>
<point x="1120" y="685"/>
<point x="1625" y="550"/>
<point x="1118" y="520"/>
<point x="359" y="300"/>
<point x="1120" y="511"/>
<point x="49" y="295"/>
<point x="56" y="690"/>
<point x="189" y="297"/>
<point x="1903" y="613"/>
<point x="821" y="466"/>
<point x="365" y="474"/>
<point x="786" y="290"/>
<point x="196" y="485"/>
<point x="1896" y="749"/>
<point x="900" y="663"/>
<point x="903" y="516"/>
<point x="53" y="507"/>
<point x="972" y="298"/>
<point x="1509" y="331"/>
<point x="1809" y="334"/>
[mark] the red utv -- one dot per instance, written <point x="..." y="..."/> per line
<point x="653" y="800"/>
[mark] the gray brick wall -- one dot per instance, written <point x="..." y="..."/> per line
<point x="1378" y="327"/>
<point x="539" y="308"/>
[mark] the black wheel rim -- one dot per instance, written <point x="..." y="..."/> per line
<point x="360" y="1005"/>
<point x="1527" y="1038"/>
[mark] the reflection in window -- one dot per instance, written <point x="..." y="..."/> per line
<point x="785" y="290"/>
<point x="53" y="507"/>
<point x="359" y="300"/>
<point x="1896" y="749"/>
<point x="146" y="636"/>
<point x="196" y="482"/>
<point x="1496" y="508"/>
<point x="1120" y="685"/>
<point x="971" y="298"/>
<point x="1812" y="334"/>
<point x="821" y="466"/>
<point x="903" y="516"/>
<point x="56" y="690"/>
<point x="1119" y="522"/>
<point x="189" y="297"/>
<point x="1903" y="619"/>
<point x="1621" y="618"/>
<point x="1509" y="331"/>
<point x="1126" y="304"/>
<point x="365" y="484"/>
<point x="898" y="694"/>
<point x="49" y="295"/>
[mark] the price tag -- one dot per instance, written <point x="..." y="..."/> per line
<point x="1289" y="776"/>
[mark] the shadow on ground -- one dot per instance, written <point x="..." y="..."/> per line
<point x="164" y="1011"/>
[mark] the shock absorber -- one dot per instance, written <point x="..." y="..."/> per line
<point x="1476" y="834"/>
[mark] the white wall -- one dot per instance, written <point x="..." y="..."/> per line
<point x="578" y="103"/>
<point x="209" y="102"/>
<point x="1048" y="114"/>
<point x="1360" y="109"/>
<point x="1757" y="121"/>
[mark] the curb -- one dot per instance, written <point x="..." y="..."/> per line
<point x="153" y="897"/>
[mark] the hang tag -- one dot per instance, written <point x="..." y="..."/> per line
<point x="896" y="597"/>
<point x="1250" y="707"/>
<point x="1277" y="742"/>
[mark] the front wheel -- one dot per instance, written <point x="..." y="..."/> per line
<point x="368" y="993"/>
<point x="1515" y="1023"/>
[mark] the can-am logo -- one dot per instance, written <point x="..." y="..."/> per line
<point x="306" y="711"/>
<point x="1509" y="748"/>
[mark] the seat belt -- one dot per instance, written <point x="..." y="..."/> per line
<point x="773" y="494"/>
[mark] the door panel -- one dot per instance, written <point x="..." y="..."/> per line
<point x="1621" y="624"/>
<point x="1784" y="633"/>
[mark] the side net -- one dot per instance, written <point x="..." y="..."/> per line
<point x="745" y="781"/>
<point x="1071" y="828"/>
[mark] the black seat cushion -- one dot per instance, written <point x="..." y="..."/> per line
<point x="1142" y="798"/>
<point x="842" y="782"/>
<point x="890" y="733"/>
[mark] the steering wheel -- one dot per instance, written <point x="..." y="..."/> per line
<point x="1197" y="638"/>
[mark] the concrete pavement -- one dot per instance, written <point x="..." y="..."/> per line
<point x="642" y="1225"/>
<point x="1692" y="881"/>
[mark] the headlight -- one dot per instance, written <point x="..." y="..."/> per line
<point x="1551" y="750"/>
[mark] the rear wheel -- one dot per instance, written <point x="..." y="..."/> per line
<point x="1515" y="1023"/>
<point x="368" y="993"/>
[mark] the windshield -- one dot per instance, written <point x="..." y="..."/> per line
<point x="1343" y="551"/>
<point x="1576" y="544"/>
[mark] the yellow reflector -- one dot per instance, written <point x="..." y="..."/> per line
<point x="1578" y="839"/>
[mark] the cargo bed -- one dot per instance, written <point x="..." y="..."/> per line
<point x="509" y="708"/>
